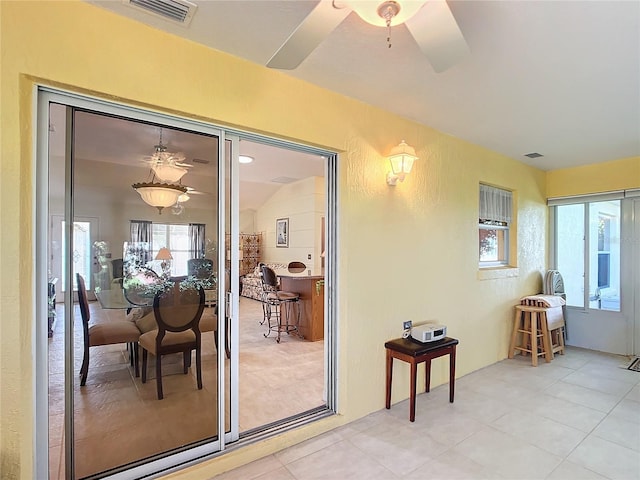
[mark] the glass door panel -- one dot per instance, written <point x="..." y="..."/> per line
<point x="103" y="420"/>
<point x="590" y="255"/>
<point x="570" y="251"/>
<point x="119" y="410"/>
<point x="604" y="255"/>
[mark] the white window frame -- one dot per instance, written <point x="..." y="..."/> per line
<point x="504" y="244"/>
<point x="502" y="222"/>
<point x="157" y="244"/>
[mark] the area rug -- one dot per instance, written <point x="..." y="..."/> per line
<point x="634" y="364"/>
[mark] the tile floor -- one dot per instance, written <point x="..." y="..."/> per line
<point x="577" y="417"/>
<point x="118" y="419"/>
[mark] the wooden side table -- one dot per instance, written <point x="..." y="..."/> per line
<point x="414" y="352"/>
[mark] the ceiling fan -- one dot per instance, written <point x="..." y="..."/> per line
<point x="431" y="23"/>
<point x="178" y="207"/>
<point x="167" y="166"/>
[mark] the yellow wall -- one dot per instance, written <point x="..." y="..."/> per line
<point x="602" y="177"/>
<point x="408" y="252"/>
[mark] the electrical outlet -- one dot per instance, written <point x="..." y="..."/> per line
<point x="406" y="325"/>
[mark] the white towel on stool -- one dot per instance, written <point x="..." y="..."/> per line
<point x="543" y="300"/>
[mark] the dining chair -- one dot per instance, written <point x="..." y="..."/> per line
<point x="104" y="333"/>
<point x="273" y="301"/>
<point x="177" y="311"/>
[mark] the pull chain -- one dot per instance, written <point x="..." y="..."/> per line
<point x="387" y="11"/>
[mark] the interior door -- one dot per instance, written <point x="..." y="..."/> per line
<point x="85" y="234"/>
<point x="594" y="252"/>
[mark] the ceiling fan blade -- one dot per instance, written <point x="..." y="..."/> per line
<point x="437" y="33"/>
<point x="320" y="22"/>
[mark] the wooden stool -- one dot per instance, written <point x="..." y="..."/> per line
<point x="531" y="323"/>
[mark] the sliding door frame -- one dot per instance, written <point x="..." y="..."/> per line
<point x="43" y="97"/>
<point x="591" y="324"/>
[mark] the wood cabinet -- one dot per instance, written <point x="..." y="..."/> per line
<point x="311" y="303"/>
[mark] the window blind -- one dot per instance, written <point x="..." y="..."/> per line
<point x="495" y="204"/>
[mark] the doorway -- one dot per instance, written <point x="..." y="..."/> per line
<point x="205" y="225"/>
<point x="595" y="250"/>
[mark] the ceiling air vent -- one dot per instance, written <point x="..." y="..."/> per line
<point x="533" y="155"/>
<point x="179" y="11"/>
<point x="200" y="160"/>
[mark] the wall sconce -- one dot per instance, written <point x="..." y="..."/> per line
<point x="401" y="159"/>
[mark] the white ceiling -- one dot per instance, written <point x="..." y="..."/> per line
<point x="113" y="153"/>
<point x="561" y="78"/>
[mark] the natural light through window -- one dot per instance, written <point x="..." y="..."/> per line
<point x="493" y="226"/>
<point x="176" y="239"/>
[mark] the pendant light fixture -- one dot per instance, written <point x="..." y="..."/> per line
<point x="168" y="167"/>
<point x="159" y="195"/>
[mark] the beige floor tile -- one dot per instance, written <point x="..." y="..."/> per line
<point x="628" y="409"/>
<point x="599" y="383"/>
<point x="587" y="397"/>
<point x="563" y="411"/>
<point x="452" y="466"/>
<point x="570" y="471"/>
<point x="619" y="430"/>
<point x="549" y="435"/>
<point x="252" y="470"/>
<point x="308" y="447"/>
<point x="340" y="460"/>
<point x="507" y="455"/>
<point x="634" y="394"/>
<point x="398" y="446"/>
<point x="606" y="458"/>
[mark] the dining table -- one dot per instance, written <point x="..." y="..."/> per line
<point x="115" y="299"/>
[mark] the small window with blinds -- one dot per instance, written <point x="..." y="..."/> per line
<point x="496" y="205"/>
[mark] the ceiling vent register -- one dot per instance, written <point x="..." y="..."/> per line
<point x="179" y="11"/>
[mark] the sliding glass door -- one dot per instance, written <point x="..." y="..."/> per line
<point x="157" y="187"/>
<point x="595" y="244"/>
<point x="129" y="204"/>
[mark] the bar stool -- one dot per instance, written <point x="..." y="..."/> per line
<point x="530" y="328"/>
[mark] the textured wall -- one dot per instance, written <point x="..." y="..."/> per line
<point x="602" y="177"/>
<point x="408" y="252"/>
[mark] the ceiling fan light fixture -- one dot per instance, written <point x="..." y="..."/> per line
<point x="387" y="13"/>
<point x="168" y="172"/>
<point x="159" y="195"/>
<point x="166" y="165"/>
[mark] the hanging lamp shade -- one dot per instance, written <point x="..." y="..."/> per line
<point x="168" y="172"/>
<point x="159" y="195"/>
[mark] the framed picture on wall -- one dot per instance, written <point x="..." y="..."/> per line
<point x="282" y="232"/>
